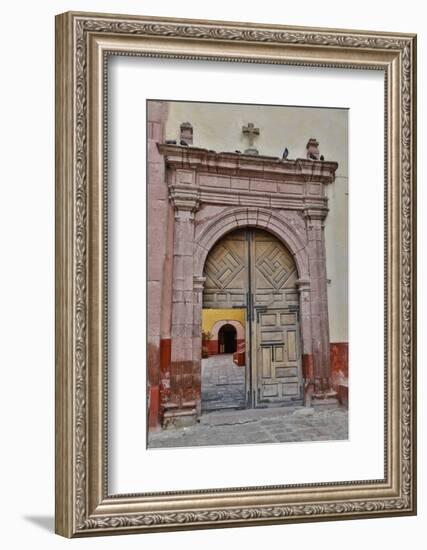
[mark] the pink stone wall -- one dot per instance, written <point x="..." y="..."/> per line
<point x="159" y="272"/>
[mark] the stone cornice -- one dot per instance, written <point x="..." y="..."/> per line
<point x="241" y="165"/>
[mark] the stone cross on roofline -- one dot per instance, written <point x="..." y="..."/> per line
<point x="250" y="132"/>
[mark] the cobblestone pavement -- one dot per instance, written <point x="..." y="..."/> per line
<point x="223" y="384"/>
<point x="278" y="425"/>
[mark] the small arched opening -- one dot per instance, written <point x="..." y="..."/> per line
<point x="227" y="339"/>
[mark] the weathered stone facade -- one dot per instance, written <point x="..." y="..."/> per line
<point x="195" y="197"/>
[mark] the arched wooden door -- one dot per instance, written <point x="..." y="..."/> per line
<point x="250" y="268"/>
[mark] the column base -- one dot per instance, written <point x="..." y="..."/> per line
<point x="322" y="401"/>
<point x="179" y="417"/>
<point x="323" y="393"/>
<point x="328" y="397"/>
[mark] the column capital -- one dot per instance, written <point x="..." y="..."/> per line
<point x="183" y="193"/>
<point x="316" y="213"/>
<point x="198" y="283"/>
<point x="185" y="201"/>
<point x="303" y="285"/>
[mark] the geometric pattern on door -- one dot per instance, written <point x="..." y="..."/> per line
<point x="273" y="264"/>
<point x="274" y="273"/>
<point x="224" y="265"/>
<point x="226" y="283"/>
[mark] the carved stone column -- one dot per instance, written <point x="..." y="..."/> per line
<point x="185" y="390"/>
<point x="305" y="319"/>
<point x="319" y="317"/>
<point x="306" y="340"/>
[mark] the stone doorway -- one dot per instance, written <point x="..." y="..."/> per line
<point x="250" y="268"/>
<point x="210" y="196"/>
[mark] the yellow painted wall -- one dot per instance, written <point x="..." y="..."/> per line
<point x="211" y="316"/>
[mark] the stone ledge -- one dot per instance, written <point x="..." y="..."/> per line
<point x="238" y="164"/>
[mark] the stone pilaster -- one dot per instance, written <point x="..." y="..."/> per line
<point x="305" y="315"/>
<point x="185" y="389"/>
<point x="306" y="339"/>
<point x="319" y="317"/>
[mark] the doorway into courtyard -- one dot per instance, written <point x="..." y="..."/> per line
<point x="223" y="359"/>
<point x="251" y="345"/>
<point x="227" y="339"/>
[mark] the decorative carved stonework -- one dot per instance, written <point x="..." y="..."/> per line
<point x="244" y="189"/>
<point x="183" y="193"/>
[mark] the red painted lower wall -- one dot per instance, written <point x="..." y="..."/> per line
<point x="160" y="393"/>
<point x="339" y="361"/>
<point x="153" y="412"/>
<point x="211" y="347"/>
<point x="339" y="370"/>
<point x="307" y="366"/>
<point x="165" y="355"/>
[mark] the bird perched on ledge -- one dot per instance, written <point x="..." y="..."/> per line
<point x="285" y="153"/>
<point x="312" y="148"/>
<point x="184" y="143"/>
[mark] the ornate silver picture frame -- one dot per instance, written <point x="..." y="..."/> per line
<point x="84" y="43"/>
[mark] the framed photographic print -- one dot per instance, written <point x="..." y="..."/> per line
<point x="235" y="274"/>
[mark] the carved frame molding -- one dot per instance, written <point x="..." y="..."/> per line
<point x="83" y="43"/>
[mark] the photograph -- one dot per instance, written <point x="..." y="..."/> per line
<point x="235" y="272"/>
<point x="247" y="274"/>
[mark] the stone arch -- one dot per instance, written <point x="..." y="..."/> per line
<point x="235" y="218"/>
<point x="236" y="324"/>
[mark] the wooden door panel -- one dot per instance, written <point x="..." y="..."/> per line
<point x="278" y="357"/>
<point x="226" y="272"/>
<point x="274" y="273"/>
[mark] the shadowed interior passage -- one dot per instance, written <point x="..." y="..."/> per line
<point x="227" y="339"/>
